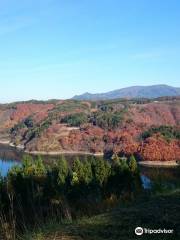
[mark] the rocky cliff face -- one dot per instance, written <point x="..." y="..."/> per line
<point x="96" y="127"/>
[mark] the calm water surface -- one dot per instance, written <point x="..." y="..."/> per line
<point x="9" y="157"/>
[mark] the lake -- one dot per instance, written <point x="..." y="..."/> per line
<point x="9" y="157"/>
<point x="170" y="177"/>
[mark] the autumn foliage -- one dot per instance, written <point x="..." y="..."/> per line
<point x="149" y="130"/>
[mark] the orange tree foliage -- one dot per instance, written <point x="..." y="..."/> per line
<point x="157" y="148"/>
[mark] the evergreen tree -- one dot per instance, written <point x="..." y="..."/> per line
<point x="123" y="164"/>
<point x="62" y="170"/>
<point x="87" y="172"/>
<point x="132" y="164"/>
<point x="27" y="165"/>
<point x="115" y="159"/>
<point x="75" y="179"/>
<point x="77" y="170"/>
<point x="101" y="170"/>
<point x="39" y="167"/>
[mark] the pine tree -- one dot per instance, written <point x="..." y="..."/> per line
<point x="115" y="159"/>
<point x="75" y="179"/>
<point x="62" y="170"/>
<point x="123" y="165"/>
<point x="101" y="170"/>
<point x="78" y="170"/>
<point x="87" y="172"/>
<point x="132" y="164"/>
<point x="27" y="165"/>
<point x="39" y="167"/>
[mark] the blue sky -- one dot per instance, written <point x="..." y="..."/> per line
<point x="59" y="48"/>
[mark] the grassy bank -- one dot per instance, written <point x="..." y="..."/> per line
<point x="160" y="211"/>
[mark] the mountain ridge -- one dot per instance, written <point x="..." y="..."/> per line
<point x="153" y="91"/>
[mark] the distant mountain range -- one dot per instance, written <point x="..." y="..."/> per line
<point x="154" y="91"/>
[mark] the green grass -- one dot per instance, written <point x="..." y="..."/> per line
<point x="162" y="211"/>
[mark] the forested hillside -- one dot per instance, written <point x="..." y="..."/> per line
<point x="149" y="129"/>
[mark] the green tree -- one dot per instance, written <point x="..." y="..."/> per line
<point x="62" y="170"/>
<point x="132" y="164"/>
<point x="123" y="164"/>
<point x="75" y="179"/>
<point x="101" y="170"/>
<point x="168" y="132"/>
<point x="115" y="159"/>
<point x="27" y="165"/>
<point x="108" y="120"/>
<point x="76" y="119"/>
<point x="39" y="167"/>
<point x="77" y="170"/>
<point x="87" y="172"/>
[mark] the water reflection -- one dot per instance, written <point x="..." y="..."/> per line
<point x="9" y="157"/>
<point x="146" y="182"/>
<point x="160" y="178"/>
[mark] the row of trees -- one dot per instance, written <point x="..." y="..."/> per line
<point x="81" y="171"/>
<point x="62" y="190"/>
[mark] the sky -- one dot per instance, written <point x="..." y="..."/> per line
<point x="60" y="48"/>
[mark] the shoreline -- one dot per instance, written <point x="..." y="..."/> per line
<point x="53" y="153"/>
<point x="56" y="153"/>
<point x="5" y="142"/>
<point x="158" y="164"/>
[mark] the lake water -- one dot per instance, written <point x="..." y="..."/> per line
<point x="170" y="177"/>
<point x="5" y="165"/>
<point x="9" y="157"/>
<point x="160" y="178"/>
